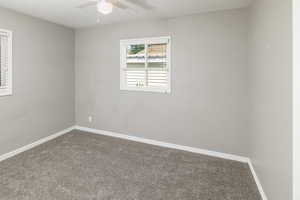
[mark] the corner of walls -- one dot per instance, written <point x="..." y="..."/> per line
<point x="43" y="89"/>
<point x="203" y="105"/>
<point x="270" y="75"/>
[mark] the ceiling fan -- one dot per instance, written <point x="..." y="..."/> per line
<point x="106" y="6"/>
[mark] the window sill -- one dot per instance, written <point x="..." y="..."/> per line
<point x="147" y="89"/>
<point x="5" y="92"/>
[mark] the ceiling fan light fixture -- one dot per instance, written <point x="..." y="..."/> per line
<point x="104" y="7"/>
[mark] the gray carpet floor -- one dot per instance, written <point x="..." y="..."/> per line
<point x="84" y="166"/>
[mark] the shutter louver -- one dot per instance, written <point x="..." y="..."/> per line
<point x="135" y="78"/>
<point x="158" y="78"/>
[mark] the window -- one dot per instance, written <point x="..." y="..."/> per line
<point x="5" y="62"/>
<point x="145" y="64"/>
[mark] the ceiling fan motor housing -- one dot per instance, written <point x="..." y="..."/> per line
<point x="104" y="7"/>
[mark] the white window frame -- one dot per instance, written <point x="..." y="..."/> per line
<point x="123" y="65"/>
<point x="8" y="91"/>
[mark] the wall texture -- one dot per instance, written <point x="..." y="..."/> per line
<point x="270" y="73"/>
<point x="43" y="81"/>
<point x="208" y="103"/>
<point x="225" y="74"/>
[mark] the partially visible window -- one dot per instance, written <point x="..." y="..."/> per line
<point x="5" y="62"/>
<point x="145" y="64"/>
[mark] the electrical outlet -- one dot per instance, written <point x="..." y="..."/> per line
<point x="90" y="119"/>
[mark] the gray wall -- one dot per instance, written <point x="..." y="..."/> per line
<point x="208" y="104"/>
<point x="43" y="81"/>
<point x="270" y="73"/>
<point x="217" y="89"/>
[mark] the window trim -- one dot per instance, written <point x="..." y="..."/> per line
<point x="151" y="40"/>
<point x="8" y="91"/>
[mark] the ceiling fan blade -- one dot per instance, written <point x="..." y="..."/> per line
<point x="117" y="4"/>
<point x="141" y="3"/>
<point x="87" y="4"/>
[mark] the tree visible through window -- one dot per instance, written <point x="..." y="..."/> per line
<point x="136" y="49"/>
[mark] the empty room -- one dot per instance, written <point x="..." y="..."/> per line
<point x="147" y="100"/>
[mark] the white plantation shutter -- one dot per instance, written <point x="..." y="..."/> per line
<point x="5" y="62"/>
<point x="135" y="78"/>
<point x="151" y="78"/>
<point x="145" y="64"/>
<point x="158" y="78"/>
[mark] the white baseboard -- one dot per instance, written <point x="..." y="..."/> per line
<point x="34" y="144"/>
<point x="142" y="140"/>
<point x="259" y="186"/>
<point x="165" y="144"/>
<point x="181" y="147"/>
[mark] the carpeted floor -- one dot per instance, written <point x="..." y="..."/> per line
<point x="84" y="166"/>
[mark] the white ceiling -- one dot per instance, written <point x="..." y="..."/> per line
<point x="65" y="12"/>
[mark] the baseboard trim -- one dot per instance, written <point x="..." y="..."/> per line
<point x="165" y="144"/>
<point x="142" y="140"/>
<point x="259" y="186"/>
<point x="180" y="147"/>
<point x="34" y="144"/>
